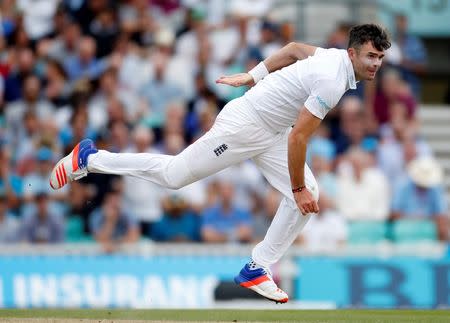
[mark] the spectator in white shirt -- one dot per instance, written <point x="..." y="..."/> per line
<point x="327" y="231"/>
<point x="363" y="190"/>
<point x="38" y="16"/>
<point x="143" y="198"/>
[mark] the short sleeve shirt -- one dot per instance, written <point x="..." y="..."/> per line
<point x="317" y="82"/>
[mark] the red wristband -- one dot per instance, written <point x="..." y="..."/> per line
<point x="298" y="189"/>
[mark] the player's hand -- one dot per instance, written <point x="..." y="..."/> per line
<point x="306" y="202"/>
<point x="237" y="80"/>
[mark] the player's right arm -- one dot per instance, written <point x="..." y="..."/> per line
<point x="325" y="94"/>
<point x="285" y="56"/>
<point x="303" y="129"/>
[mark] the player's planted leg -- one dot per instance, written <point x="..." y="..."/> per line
<point x="259" y="279"/>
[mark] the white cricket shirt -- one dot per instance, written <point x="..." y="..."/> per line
<point x="317" y="82"/>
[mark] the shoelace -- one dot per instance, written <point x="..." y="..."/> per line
<point x="266" y="270"/>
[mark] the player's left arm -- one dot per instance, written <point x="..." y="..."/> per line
<point x="288" y="55"/>
<point x="285" y="56"/>
<point x="304" y="127"/>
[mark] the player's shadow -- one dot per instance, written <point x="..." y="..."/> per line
<point x="227" y="290"/>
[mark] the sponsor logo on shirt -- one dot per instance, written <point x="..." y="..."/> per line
<point x="322" y="103"/>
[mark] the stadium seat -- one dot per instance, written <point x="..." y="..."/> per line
<point x="361" y="232"/>
<point x="413" y="230"/>
<point x="74" y="230"/>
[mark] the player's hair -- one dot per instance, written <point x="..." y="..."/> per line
<point x="361" y="34"/>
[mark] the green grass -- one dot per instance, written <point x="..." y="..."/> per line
<point x="325" y="316"/>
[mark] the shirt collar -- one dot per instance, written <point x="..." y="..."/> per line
<point x="350" y="72"/>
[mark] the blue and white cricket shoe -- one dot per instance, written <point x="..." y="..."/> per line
<point x="260" y="280"/>
<point x="73" y="166"/>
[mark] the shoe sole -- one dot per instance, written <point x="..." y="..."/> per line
<point x="243" y="282"/>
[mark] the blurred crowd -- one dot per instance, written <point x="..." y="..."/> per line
<point x="139" y="76"/>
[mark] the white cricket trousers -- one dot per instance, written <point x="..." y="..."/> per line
<point x="237" y="135"/>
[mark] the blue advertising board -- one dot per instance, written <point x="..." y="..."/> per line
<point x="113" y="281"/>
<point x="191" y="281"/>
<point x="373" y="282"/>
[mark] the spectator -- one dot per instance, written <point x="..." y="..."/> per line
<point x="363" y="190"/>
<point x="143" y="198"/>
<point x="23" y="64"/>
<point x="269" y="38"/>
<point x="83" y="12"/>
<point x="262" y="219"/>
<point x="38" y="17"/>
<point x="60" y="20"/>
<point x="136" y="19"/>
<point x="159" y="92"/>
<point x="414" y="54"/>
<point x="179" y="70"/>
<point x="78" y="127"/>
<point x="393" y="90"/>
<point x="57" y="89"/>
<point x="322" y="166"/>
<point x="119" y="136"/>
<point x="41" y="224"/>
<point x="85" y="64"/>
<point x="20" y="38"/>
<point x="339" y="37"/>
<point x="224" y="222"/>
<point x="10" y="182"/>
<point x="112" y="225"/>
<point x="320" y="144"/>
<point x="351" y="131"/>
<point x="108" y="91"/>
<point x="421" y="196"/>
<point x="8" y="19"/>
<point x="248" y="182"/>
<point x="135" y="70"/>
<point x="104" y="29"/>
<point x="65" y="45"/>
<point x="31" y="101"/>
<point x="194" y="194"/>
<point x="204" y="105"/>
<point x="400" y="144"/>
<point x="178" y="224"/>
<point x="8" y="223"/>
<point x="326" y="231"/>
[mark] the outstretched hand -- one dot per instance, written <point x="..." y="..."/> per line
<point x="236" y="80"/>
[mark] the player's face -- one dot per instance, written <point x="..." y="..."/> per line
<point x="366" y="61"/>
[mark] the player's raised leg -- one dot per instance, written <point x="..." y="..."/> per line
<point x="233" y="138"/>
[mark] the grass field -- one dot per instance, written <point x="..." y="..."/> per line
<point x="324" y="316"/>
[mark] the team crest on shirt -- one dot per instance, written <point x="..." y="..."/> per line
<point x="219" y="150"/>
